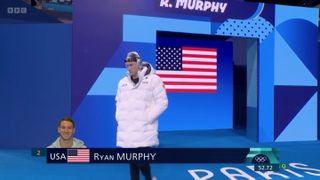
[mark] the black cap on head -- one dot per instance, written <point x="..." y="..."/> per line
<point x="132" y="56"/>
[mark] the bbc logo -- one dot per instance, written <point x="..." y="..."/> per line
<point x="17" y="10"/>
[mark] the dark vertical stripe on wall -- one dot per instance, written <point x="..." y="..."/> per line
<point x="239" y="82"/>
<point x="318" y="85"/>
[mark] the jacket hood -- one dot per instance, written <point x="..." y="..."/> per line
<point x="149" y="68"/>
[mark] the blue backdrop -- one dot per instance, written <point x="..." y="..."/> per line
<point x="35" y="67"/>
<point x="35" y="63"/>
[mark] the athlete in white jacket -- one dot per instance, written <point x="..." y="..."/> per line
<point x="140" y="100"/>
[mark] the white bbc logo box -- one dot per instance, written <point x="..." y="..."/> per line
<point x="10" y="10"/>
<point x="17" y="10"/>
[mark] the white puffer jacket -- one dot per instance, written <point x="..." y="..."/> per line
<point x="138" y="107"/>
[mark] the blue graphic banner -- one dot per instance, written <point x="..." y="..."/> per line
<point x="219" y="11"/>
<point x="152" y="155"/>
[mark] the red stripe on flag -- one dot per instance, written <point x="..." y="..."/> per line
<point x="198" y="49"/>
<point x="198" y="56"/>
<point x="78" y="161"/>
<point x="200" y="70"/>
<point x="199" y="63"/>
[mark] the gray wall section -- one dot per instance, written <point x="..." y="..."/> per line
<point x="252" y="89"/>
<point x="240" y="81"/>
<point x="245" y="85"/>
<point x="35" y="63"/>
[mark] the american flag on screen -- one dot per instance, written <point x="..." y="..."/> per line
<point x="187" y="69"/>
<point x="78" y="155"/>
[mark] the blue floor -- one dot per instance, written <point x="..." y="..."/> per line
<point x="19" y="164"/>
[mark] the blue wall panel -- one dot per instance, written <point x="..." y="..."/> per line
<point x="35" y="63"/>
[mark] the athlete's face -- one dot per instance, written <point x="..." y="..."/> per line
<point x="132" y="67"/>
<point x="66" y="130"/>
